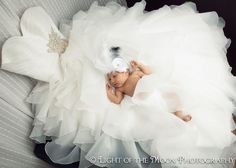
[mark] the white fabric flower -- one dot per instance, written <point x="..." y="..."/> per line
<point x="120" y="65"/>
<point x="35" y="53"/>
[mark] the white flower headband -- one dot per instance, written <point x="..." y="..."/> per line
<point x="118" y="63"/>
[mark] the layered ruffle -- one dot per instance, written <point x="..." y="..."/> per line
<point x="187" y="52"/>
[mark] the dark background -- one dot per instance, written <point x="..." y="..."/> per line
<point x="225" y="9"/>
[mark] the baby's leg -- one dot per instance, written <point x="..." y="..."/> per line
<point x="182" y="116"/>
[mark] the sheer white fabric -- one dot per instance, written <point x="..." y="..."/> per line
<point x="11" y="12"/>
<point x="187" y="52"/>
<point x="16" y="116"/>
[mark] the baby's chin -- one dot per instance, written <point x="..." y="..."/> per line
<point x="118" y="85"/>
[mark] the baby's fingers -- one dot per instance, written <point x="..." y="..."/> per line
<point x="108" y="86"/>
<point x="134" y="63"/>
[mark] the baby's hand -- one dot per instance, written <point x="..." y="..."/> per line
<point x="134" y="64"/>
<point x="116" y="97"/>
<point x="109" y="89"/>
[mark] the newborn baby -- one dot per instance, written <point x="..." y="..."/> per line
<point x="124" y="83"/>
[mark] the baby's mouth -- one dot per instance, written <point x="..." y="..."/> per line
<point x="117" y="85"/>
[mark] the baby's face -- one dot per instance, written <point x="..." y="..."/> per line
<point x="117" y="79"/>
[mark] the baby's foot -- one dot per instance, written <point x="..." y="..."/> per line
<point x="182" y="116"/>
<point x="187" y="118"/>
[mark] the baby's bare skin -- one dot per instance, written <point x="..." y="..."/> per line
<point x="125" y="84"/>
<point x="129" y="87"/>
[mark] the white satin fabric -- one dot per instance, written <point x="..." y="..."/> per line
<point x="187" y="52"/>
<point x="28" y="54"/>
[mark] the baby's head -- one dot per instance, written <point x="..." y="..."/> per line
<point x="117" y="79"/>
<point x="119" y="69"/>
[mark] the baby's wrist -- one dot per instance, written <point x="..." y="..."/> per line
<point x="139" y="65"/>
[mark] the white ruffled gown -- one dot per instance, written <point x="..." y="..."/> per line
<point x="187" y="53"/>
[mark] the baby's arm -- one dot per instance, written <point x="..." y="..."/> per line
<point x="117" y="97"/>
<point x="144" y="68"/>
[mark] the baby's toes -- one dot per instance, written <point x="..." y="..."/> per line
<point x="187" y="118"/>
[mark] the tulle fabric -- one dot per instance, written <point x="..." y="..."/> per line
<point x="187" y="52"/>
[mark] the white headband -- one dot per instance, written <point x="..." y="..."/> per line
<point x="119" y="64"/>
